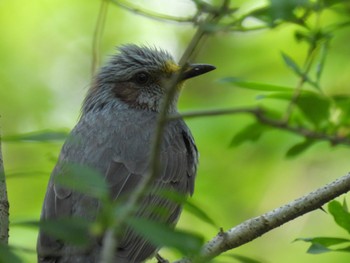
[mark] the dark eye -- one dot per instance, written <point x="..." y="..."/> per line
<point x="142" y="77"/>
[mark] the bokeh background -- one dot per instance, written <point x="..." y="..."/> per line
<point x="45" y="71"/>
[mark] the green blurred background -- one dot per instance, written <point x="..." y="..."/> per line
<point x="45" y="71"/>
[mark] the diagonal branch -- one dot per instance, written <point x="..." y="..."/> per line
<point x="256" y="227"/>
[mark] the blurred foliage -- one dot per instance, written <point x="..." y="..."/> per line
<point x="341" y="217"/>
<point x="37" y="136"/>
<point x="188" y="243"/>
<point x="74" y="231"/>
<point x="289" y="58"/>
<point x="8" y="255"/>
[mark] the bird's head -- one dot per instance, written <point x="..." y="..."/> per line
<point x="138" y="77"/>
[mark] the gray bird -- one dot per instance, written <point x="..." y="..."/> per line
<point x="114" y="136"/>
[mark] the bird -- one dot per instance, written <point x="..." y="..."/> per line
<point x="113" y="136"/>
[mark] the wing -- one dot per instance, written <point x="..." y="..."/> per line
<point x="178" y="163"/>
<point x="84" y="146"/>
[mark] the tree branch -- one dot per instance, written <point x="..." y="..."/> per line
<point x="261" y="116"/>
<point x="256" y="227"/>
<point x="4" y="204"/>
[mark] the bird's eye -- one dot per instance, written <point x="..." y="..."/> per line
<point x="142" y="77"/>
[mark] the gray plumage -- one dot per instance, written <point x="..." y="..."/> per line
<point x="114" y="136"/>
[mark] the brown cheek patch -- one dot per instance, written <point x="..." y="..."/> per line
<point x="126" y="92"/>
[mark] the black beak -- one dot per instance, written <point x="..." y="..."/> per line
<point x="194" y="70"/>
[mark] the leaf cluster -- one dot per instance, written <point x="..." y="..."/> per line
<point x="341" y="217"/>
<point x="308" y="111"/>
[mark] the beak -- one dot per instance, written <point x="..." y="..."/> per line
<point x="194" y="70"/>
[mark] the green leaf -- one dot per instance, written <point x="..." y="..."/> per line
<point x="318" y="249"/>
<point x="292" y="64"/>
<point x="325" y="241"/>
<point x="38" y="136"/>
<point x="263" y="14"/>
<point x="337" y="26"/>
<point x="244" y="259"/>
<point x="329" y="3"/>
<point x="163" y="235"/>
<point x="254" y="85"/>
<point x="340" y="214"/>
<point x="297" y="70"/>
<point x="199" y="213"/>
<point x="315" y="107"/>
<point x="344" y="249"/>
<point x="251" y="132"/>
<point x="345" y="206"/>
<point x="322" y="60"/>
<point x="73" y="230"/>
<point x="324" y="244"/>
<point x="7" y="255"/>
<point x="83" y="179"/>
<point x="299" y="148"/>
<point x="342" y="103"/>
<point x="187" y="205"/>
<point x="280" y="10"/>
<point x="285" y="9"/>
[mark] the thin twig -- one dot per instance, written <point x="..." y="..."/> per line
<point x="233" y="26"/>
<point x="96" y="43"/>
<point x="216" y="112"/>
<point x="310" y="57"/>
<point x="150" y="14"/>
<point x="260" y="115"/>
<point x="109" y="245"/>
<point x="256" y="227"/>
<point x="4" y="204"/>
